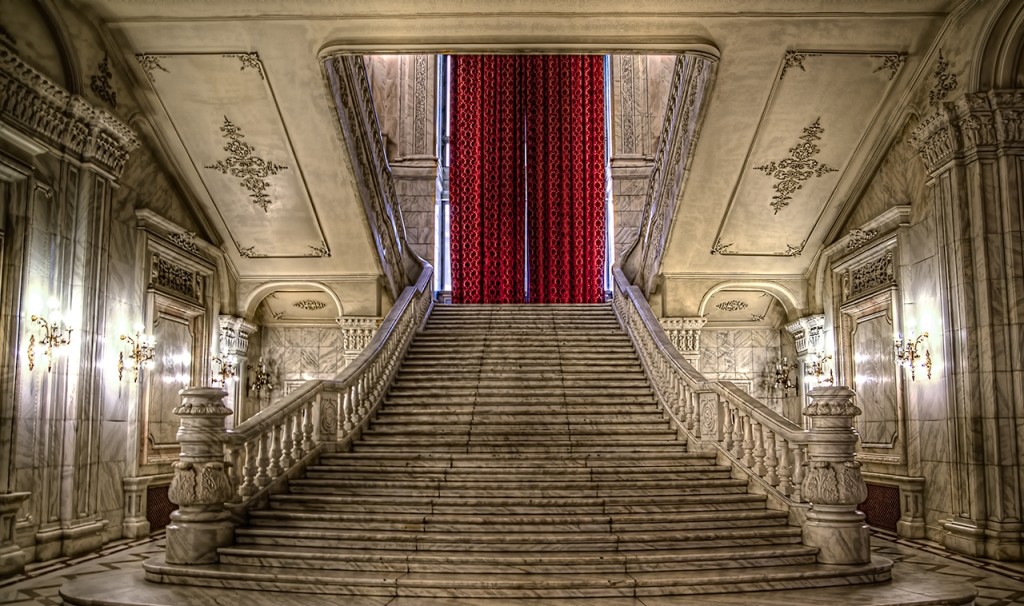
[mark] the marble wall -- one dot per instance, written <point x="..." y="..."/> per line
<point x="298" y="354"/>
<point x="743" y="357"/>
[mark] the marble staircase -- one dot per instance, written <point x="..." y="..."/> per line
<point x="519" y="453"/>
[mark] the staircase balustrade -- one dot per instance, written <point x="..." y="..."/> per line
<point x="813" y="471"/>
<point x="222" y="473"/>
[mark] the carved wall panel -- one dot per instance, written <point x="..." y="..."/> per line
<point x="868" y="315"/>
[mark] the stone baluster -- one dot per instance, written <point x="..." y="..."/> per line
<point x="799" y="469"/>
<point x="833" y="484"/>
<point x="287" y="460"/>
<point x="737" y="433"/>
<point x="748" y="442"/>
<point x="234" y="472"/>
<point x="307" y="428"/>
<point x="298" y="452"/>
<point x="275" y="451"/>
<point x="347" y="412"/>
<point x="200" y="485"/>
<point x="263" y="462"/>
<point x="771" y="460"/>
<point x="785" y="471"/>
<point x="727" y="422"/>
<point x="759" y="449"/>
<point x="248" y="487"/>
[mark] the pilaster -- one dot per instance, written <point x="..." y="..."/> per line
<point x="233" y="344"/>
<point x="974" y="152"/>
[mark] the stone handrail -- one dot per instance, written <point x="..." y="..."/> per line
<point x="240" y="467"/>
<point x="815" y="466"/>
<point x="357" y="115"/>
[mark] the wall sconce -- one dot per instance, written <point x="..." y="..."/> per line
<point x="225" y="371"/>
<point x="913" y="353"/>
<point x="778" y="374"/>
<point x="141" y="350"/>
<point x="261" y="379"/>
<point x="817" y="367"/>
<point x="54" y="335"/>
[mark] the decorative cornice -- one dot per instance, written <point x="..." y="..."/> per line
<point x="185" y="240"/>
<point x="795" y="59"/>
<point x="859" y="237"/>
<point x="249" y="61"/>
<point x="243" y="164"/>
<point x="100" y="83"/>
<point x="67" y="122"/>
<point x="945" y="81"/>
<point x="976" y="120"/>
<point x="733" y="305"/>
<point x="790" y="173"/>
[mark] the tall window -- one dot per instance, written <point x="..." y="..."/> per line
<point x="527" y="154"/>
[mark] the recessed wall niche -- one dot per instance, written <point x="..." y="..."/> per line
<point x="178" y="311"/>
<point x="869" y="302"/>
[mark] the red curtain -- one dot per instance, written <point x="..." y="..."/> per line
<point x="486" y="180"/>
<point x="559" y="102"/>
<point x="566" y="178"/>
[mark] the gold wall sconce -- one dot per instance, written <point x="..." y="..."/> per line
<point x="913" y="353"/>
<point x="53" y="335"/>
<point x="261" y="379"/>
<point x="819" y="368"/>
<point x="225" y="372"/>
<point x="779" y="376"/>
<point x="142" y="347"/>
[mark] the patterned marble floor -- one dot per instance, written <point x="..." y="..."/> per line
<point x="998" y="584"/>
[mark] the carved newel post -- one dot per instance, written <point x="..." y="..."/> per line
<point x="200" y="485"/>
<point x="833" y="484"/>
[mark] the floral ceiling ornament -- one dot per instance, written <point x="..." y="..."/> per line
<point x="790" y="173"/>
<point x="310" y="304"/>
<point x="248" y="252"/>
<point x="719" y="248"/>
<point x="757" y="317"/>
<point x="795" y="59"/>
<point x="733" y="305"/>
<point x="100" y="83"/>
<point x="793" y="251"/>
<point x="319" y="251"/>
<point x="249" y="61"/>
<point x="243" y="164"/>
<point x="945" y="81"/>
<point x="150" y="63"/>
<point x="893" y="63"/>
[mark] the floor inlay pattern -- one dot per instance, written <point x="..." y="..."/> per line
<point x="998" y="584"/>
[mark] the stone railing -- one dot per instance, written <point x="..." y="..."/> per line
<point x="813" y="470"/>
<point x="222" y="473"/>
<point x="357" y="115"/>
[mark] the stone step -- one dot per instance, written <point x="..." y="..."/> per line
<point x="527" y="417"/>
<point x="517" y="585"/>
<point x="486" y="382"/>
<point x="517" y="563"/>
<point x="591" y="399"/>
<point x="471" y="474"/>
<point x="504" y="460"/>
<point x="280" y="518"/>
<point x="627" y="504"/>
<point x="395" y="409"/>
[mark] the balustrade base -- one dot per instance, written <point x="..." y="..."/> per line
<point x="12" y="560"/>
<point x="840" y="539"/>
<point x="965" y="537"/>
<point x="196" y="542"/>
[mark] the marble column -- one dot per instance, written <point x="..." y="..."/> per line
<point x="833" y="484"/>
<point x="973" y="151"/>
<point x="233" y="346"/>
<point x="200" y="486"/>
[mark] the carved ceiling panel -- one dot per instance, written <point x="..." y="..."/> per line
<point x="223" y="108"/>
<point x="742" y="307"/>
<point x="297" y="306"/>
<point x="818" y="111"/>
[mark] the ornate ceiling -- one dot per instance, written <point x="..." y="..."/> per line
<point x="803" y="92"/>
